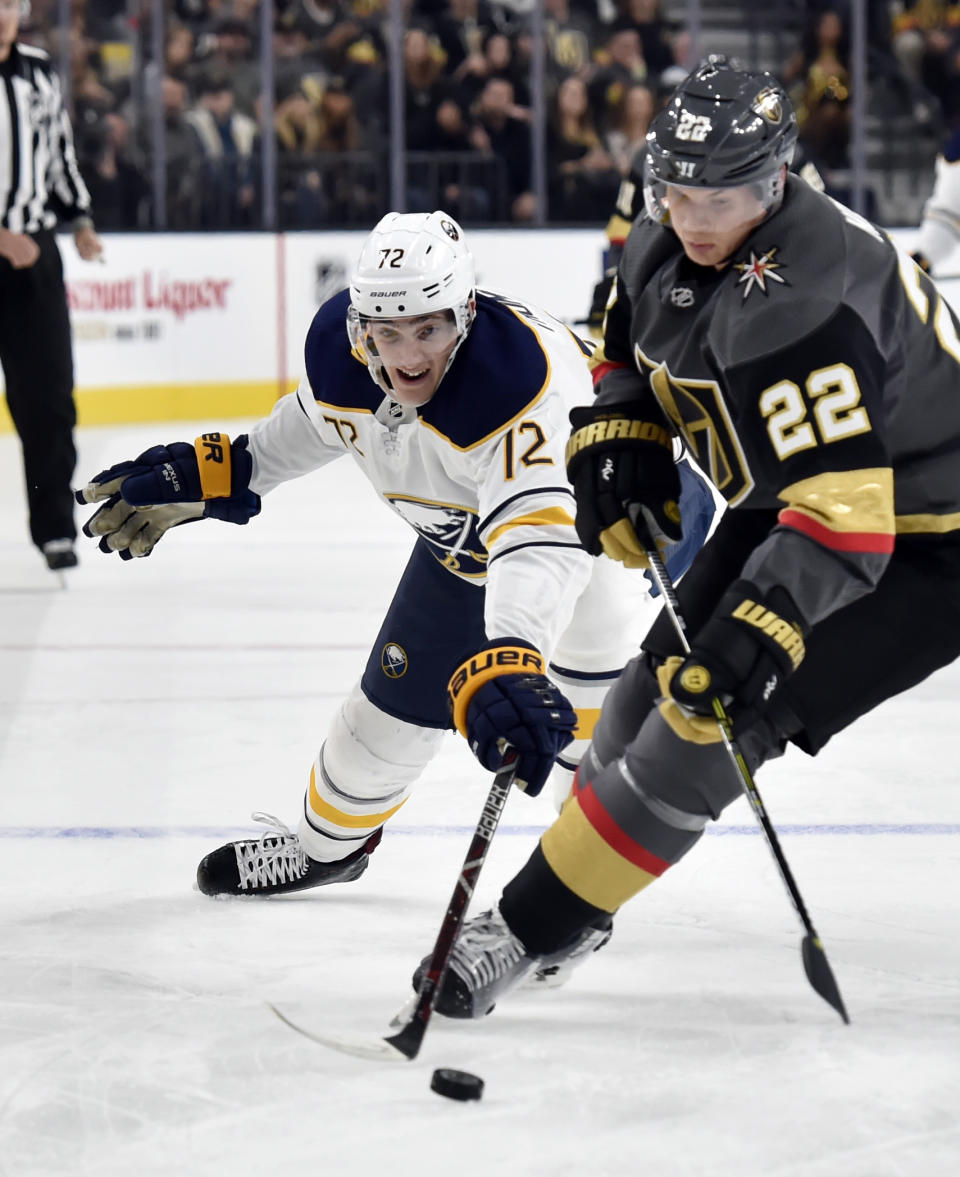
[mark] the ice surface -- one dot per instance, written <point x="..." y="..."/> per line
<point x="146" y="710"/>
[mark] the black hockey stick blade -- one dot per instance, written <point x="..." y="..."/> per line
<point x="820" y="974"/>
<point x="404" y="1046"/>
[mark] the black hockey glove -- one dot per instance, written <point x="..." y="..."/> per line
<point x="750" y="645"/>
<point x="167" y="486"/>
<point x="619" y="463"/>
<point x="502" y="696"/>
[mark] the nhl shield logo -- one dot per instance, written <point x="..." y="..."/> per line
<point x="393" y="660"/>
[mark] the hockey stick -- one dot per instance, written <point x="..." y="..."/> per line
<point x="405" y="1044"/>
<point x="815" y="963"/>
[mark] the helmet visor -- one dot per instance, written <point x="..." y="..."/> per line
<point x="694" y="208"/>
<point x="432" y="334"/>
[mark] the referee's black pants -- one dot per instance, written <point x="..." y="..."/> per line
<point x="37" y="360"/>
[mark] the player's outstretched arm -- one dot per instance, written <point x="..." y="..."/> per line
<point x="502" y="696"/>
<point x="167" y="486"/>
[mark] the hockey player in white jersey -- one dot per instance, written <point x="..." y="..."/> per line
<point x="454" y="404"/>
<point x="939" y="233"/>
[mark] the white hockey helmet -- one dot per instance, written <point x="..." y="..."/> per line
<point x="411" y="264"/>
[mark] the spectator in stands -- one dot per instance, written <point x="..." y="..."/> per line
<point x="293" y="47"/>
<point x="583" y="178"/>
<point x="645" y="17"/>
<point x="460" y="179"/>
<point x="629" y="123"/>
<point x="227" y="139"/>
<point x="502" y="60"/>
<point x="118" y="188"/>
<point x="497" y="60"/>
<point x="233" y="57"/>
<point x="302" y="202"/>
<point x="502" y="130"/>
<point x="620" y="64"/>
<point x="179" y="61"/>
<point x="818" y="79"/>
<point x="462" y="30"/>
<point x="570" y="33"/>
<point x="426" y="87"/>
<point x="684" y="60"/>
<point x="178" y="50"/>
<point x="184" y="159"/>
<point x="928" y="38"/>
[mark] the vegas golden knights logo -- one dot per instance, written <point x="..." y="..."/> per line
<point x="697" y="411"/>
<point x="768" y="106"/>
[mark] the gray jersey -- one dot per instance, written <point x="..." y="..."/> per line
<point x="818" y="373"/>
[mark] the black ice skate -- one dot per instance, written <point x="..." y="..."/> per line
<point x="488" y="961"/>
<point x="276" y="863"/>
<point x="59" y="554"/>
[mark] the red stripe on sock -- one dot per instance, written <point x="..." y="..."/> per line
<point x="616" y="838"/>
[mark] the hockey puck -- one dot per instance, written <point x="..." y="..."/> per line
<point x="456" y="1084"/>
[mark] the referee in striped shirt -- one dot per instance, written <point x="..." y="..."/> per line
<point x="39" y="186"/>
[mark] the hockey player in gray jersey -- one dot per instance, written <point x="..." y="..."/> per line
<point x="454" y="404"/>
<point x="814" y="371"/>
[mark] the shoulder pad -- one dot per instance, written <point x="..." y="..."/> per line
<point x="336" y="374"/>
<point x="788" y="279"/>
<point x="500" y="372"/>
<point x="648" y="247"/>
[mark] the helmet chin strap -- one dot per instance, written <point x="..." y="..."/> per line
<point x="377" y="369"/>
<point x="391" y="413"/>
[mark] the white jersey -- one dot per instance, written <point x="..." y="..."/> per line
<point x="478" y="472"/>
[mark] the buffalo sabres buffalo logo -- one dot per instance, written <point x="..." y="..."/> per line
<point x="393" y="660"/>
<point x="758" y="271"/>
<point x="450" y="531"/>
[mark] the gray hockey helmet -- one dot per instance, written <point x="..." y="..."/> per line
<point x="723" y="127"/>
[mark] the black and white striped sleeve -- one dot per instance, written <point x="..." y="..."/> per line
<point x="67" y="193"/>
<point x="40" y="182"/>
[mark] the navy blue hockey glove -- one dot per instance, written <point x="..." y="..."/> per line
<point x="619" y="463"/>
<point x="743" y="654"/>
<point x="167" y="486"/>
<point x="502" y="696"/>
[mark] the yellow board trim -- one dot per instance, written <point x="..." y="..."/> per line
<point x="551" y="517"/>
<point x="588" y="865"/>
<point x="130" y="403"/>
<point x="349" y="821"/>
